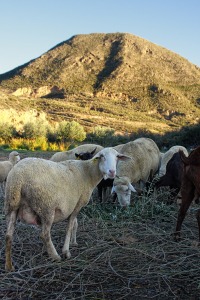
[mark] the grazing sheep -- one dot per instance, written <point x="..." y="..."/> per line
<point x="71" y="154"/>
<point x="166" y="157"/>
<point x="108" y="183"/>
<point x="6" y="166"/>
<point x="173" y="175"/>
<point x="85" y="155"/>
<point x="43" y="192"/>
<point x="190" y="187"/>
<point x="119" y="147"/>
<point x="145" y="163"/>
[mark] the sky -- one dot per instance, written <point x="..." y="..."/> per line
<point x="29" y="28"/>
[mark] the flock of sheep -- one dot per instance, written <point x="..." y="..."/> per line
<point x="42" y="192"/>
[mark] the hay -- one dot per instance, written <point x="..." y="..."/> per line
<point x="122" y="254"/>
<point x="119" y="256"/>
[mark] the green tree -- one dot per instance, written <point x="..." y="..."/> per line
<point x="103" y="136"/>
<point x="33" y="130"/>
<point x="6" y="131"/>
<point x="70" y="132"/>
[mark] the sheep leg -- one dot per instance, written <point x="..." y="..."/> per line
<point x="100" y="191"/>
<point x="71" y="230"/>
<point x="187" y="194"/>
<point x="73" y="236"/>
<point x="11" y="220"/>
<point x="104" y="194"/>
<point x="198" y="221"/>
<point x="46" y="237"/>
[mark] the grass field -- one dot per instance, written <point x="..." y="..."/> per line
<point x="121" y="254"/>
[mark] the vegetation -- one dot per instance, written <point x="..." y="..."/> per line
<point x="121" y="254"/>
<point x="103" y="88"/>
<point x="117" y="81"/>
<point x="111" y="88"/>
<point x="32" y="131"/>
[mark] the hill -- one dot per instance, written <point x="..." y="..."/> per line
<point x="116" y="80"/>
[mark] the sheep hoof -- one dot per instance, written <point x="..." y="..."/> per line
<point x="74" y="244"/>
<point x="9" y="268"/>
<point x="56" y="258"/>
<point x="67" y="254"/>
<point x="177" y="237"/>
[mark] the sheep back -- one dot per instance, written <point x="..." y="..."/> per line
<point x="145" y="159"/>
<point x="168" y="155"/>
<point x="70" y="154"/>
<point x="46" y="185"/>
<point x="5" y="167"/>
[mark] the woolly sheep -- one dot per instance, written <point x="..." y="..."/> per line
<point x="145" y="162"/>
<point x="43" y="192"/>
<point x="71" y="154"/>
<point x="6" y="166"/>
<point x="108" y="183"/>
<point x="167" y="156"/>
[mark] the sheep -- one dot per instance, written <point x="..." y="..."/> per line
<point x="173" y="174"/>
<point x="6" y="166"/>
<point x="42" y="192"/>
<point x="108" y="183"/>
<point x="145" y="162"/>
<point x="85" y="155"/>
<point x="166" y="157"/>
<point x="71" y="154"/>
<point x="190" y="187"/>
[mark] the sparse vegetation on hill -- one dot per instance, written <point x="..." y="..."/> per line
<point x="115" y="80"/>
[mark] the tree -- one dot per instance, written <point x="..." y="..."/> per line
<point x="33" y="130"/>
<point x="6" y="131"/>
<point x="70" y="132"/>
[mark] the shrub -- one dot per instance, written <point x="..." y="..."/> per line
<point x="6" y="131"/>
<point x="70" y="132"/>
<point x="32" y="130"/>
<point x="103" y="136"/>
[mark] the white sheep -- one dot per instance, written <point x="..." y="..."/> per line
<point x="167" y="156"/>
<point x="7" y="165"/>
<point x="105" y="184"/>
<point x="145" y="163"/>
<point x="71" y="154"/>
<point x="43" y="192"/>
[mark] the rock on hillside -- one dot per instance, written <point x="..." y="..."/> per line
<point x="124" y="69"/>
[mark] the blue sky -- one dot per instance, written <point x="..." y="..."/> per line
<point x="29" y="28"/>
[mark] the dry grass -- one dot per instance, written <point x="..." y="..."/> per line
<point x="120" y="255"/>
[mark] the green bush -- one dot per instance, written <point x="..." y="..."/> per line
<point x="6" y="131"/>
<point x="33" y="130"/>
<point x="70" y="132"/>
<point x="102" y="135"/>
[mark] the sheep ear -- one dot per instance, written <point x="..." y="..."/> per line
<point x="77" y="155"/>
<point x="113" y="190"/>
<point x="93" y="151"/>
<point x="132" y="188"/>
<point x="123" y="157"/>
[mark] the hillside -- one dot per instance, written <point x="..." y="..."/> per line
<point x="116" y="80"/>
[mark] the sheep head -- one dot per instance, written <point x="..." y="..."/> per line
<point x="108" y="159"/>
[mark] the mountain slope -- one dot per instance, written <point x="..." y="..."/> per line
<point x="113" y="76"/>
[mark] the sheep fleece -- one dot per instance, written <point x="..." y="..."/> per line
<point x="145" y="157"/>
<point x="49" y="187"/>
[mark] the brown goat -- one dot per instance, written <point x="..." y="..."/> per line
<point x="190" y="186"/>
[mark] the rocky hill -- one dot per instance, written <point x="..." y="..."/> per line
<point x="117" y="80"/>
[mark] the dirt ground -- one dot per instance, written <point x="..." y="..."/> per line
<point x="121" y="254"/>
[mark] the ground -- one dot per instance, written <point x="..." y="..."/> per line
<point x="121" y="254"/>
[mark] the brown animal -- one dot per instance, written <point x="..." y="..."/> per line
<point x="190" y="186"/>
<point x="173" y="175"/>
